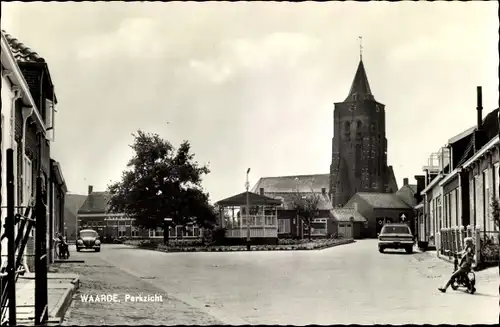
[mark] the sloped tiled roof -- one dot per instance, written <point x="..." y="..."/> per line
<point x="384" y="200"/>
<point x="288" y="199"/>
<point x="21" y="51"/>
<point x="283" y="184"/>
<point x="407" y="194"/>
<point x="254" y="199"/>
<point x="347" y="214"/>
<point x="73" y="202"/>
<point x="97" y="202"/>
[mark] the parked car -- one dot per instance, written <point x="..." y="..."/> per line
<point x="396" y="236"/>
<point x="88" y="239"/>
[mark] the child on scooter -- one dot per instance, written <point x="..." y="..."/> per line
<point x="465" y="263"/>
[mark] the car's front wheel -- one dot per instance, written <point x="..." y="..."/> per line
<point x="381" y="250"/>
<point x="77" y="249"/>
<point x="97" y="250"/>
<point x="409" y="250"/>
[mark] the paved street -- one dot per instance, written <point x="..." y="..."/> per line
<point x="350" y="284"/>
<point x="98" y="277"/>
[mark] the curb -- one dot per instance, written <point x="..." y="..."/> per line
<point x="64" y="303"/>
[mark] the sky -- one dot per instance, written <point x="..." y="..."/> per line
<point x="253" y="84"/>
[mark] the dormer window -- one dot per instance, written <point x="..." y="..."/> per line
<point x="355" y="97"/>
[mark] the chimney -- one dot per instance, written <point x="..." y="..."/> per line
<point x="261" y="191"/>
<point x="91" y="188"/>
<point x="479" y="134"/>
<point x="405" y="181"/>
<point x="479" y="107"/>
<point x="420" y="187"/>
<point x="323" y="191"/>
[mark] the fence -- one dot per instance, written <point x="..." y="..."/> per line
<point x="451" y="240"/>
<point x="489" y="247"/>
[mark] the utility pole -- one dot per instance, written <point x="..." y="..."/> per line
<point x="247" y="186"/>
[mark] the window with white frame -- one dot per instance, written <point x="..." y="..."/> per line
<point x="135" y="231"/>
<point x="171" y="231"/>
<point x="156" y="232"/>
<point x="496" y="180"/>
<point x="488" y="221"/>
<point x="479" y="202"/>
<point x="28" y="180"/>
<point x="16" y="176"/>
<point x="283" y="226"/>
<point x="196" y="231"/>
<point x="179" y="231"/>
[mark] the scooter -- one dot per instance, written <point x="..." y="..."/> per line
<point x="464" y="280"/>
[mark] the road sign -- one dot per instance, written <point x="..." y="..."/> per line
<point x="403" y="217"/>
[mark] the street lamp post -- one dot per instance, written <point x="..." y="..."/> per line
<point x="300" y="223"/>
<point x="247" y="186"/>
<point x="166" y="225"/>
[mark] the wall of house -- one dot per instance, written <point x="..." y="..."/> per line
<point x="483" y="179"/>
<point x="451" y="203"/>
<point x="435" y="212"/>
<point x="6" y="130"/>
<point x="366" y="211"/>
<point x="291" y="216"/>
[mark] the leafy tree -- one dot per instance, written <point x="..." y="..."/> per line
<point x="161" y="182"/>
<point x="306" y="206"/>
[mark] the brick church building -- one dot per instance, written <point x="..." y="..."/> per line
<point x="359" y="145"/>
<point x="358" y="171"/>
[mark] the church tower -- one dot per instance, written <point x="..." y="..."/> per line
<point x="359" y="145"/>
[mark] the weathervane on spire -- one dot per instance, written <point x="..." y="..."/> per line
<point x="360" y="47"/>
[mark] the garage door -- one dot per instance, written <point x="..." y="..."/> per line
<point x="345" y="229"/>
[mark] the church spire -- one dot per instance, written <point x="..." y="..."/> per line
<point x="360" y="88"/>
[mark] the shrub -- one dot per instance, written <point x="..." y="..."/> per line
<point x="218" y="236"/>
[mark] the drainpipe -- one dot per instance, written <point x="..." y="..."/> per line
<point x="18" y="93"/>
<point x="26" y="113"/>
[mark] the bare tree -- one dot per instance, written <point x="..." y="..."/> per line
<point x="306" y="205"/>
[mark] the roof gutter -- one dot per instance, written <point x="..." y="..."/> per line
<point x="432" y="184"/>
<point x="494" y="141"/>
<point x="454" y="173"/>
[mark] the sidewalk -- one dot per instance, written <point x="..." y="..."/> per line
<point x="486" y="275"/>
<point x="61" y="288"/>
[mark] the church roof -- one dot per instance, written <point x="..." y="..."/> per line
<point x="360" y="88"/>
<point x="304" y="183"/>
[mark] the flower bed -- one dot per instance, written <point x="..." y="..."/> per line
<point x="298" y="246"/>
